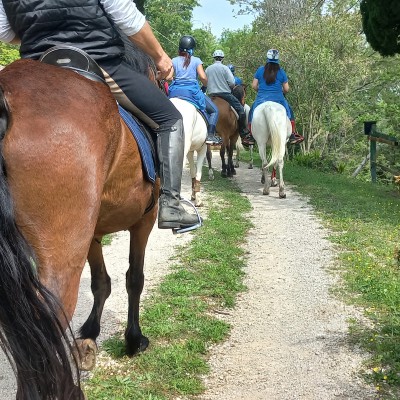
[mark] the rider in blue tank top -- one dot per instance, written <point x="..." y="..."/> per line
<point x="187" y="69"/>
<point x="271" y="83"/>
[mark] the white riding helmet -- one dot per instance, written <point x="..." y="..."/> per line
<point x="273" y="56"/>
<point x="218" y="53"/>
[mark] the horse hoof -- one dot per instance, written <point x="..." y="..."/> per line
<point x="132" y="350"/>
<point x="250" y="166"/>
<point x="85" y="352"/>
<point x="282" y="196"/>
<point x="266" y="192"/>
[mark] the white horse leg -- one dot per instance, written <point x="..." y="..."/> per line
<point x="201" y="155"/>
<point x="282" y="194"/>
<point x="192" y="169"/>
<point x="262" y="149"/>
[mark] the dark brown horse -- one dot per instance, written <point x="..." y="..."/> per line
<point x="70" y="173"/>
<point x="228" y="129"/>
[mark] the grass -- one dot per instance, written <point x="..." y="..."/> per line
<point x="364" y="221"/>
<point x="179" y="317"/>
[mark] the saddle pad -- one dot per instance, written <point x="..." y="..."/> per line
<point x="143" y="144"/>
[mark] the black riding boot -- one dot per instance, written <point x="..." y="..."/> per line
<point x="245" y="135"/>
<point x="171" y="214"/>
<point x="211" y="138"/>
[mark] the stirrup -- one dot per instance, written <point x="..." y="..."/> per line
<point x="175" y="231"/>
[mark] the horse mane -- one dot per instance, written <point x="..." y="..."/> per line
<point x="137" y="58"/>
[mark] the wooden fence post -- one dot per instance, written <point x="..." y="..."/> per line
<point x="370" y="127"/>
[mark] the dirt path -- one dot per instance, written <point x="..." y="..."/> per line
<point x="288" y="339"/>
<point x="289" y="335"/>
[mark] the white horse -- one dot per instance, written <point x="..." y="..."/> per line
<point x="271" y="126"/>
<point x="195" y="141"/>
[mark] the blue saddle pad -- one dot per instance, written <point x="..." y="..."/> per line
<point x="143" y="144"/>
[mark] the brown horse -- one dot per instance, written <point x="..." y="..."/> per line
<point x="228" y="129"/>
<point x="70" y="173"/>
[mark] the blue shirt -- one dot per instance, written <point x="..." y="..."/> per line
<point x="238" y="81"/>
<point x="189" y="73"/>
<point x="270" y="91"/>
<point x="185" y="84"/>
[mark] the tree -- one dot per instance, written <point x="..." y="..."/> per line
<point x="381" y="24"/>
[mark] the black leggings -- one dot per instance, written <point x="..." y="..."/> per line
<point x="143" y="93"/>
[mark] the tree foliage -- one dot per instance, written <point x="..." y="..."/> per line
<point x="381" y="24"/>
<point x="8" y="53"/>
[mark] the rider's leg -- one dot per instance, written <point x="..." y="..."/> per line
<point x="212" y="111"/>
<point x="243" y="131"/>
<point x="294" y="137"/>
<point x="170" y="138"/>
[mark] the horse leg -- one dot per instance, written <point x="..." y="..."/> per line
<point x="237" y="156"/>
<point x="282" y="193"/>
<point x="192" y="169"/>
<point x="139" y="234"/>
<point x="209" y="158"/>
<point x="224" y="166"/>
<point x="265" y="170"/>
<point x="251" y="156"/>
<point x="101" y="289"/>
<point x="201" y="155"/>
<point x="231" y="167"/>
<point x="273" y="177"/>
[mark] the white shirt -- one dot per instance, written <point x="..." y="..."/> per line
<point x="124" y="14"/>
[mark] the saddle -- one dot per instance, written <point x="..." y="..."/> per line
<point x="77" y="60"/>
<point x="233" y="110"/>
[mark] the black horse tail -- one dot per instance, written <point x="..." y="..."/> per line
<point x="31" y="332"/>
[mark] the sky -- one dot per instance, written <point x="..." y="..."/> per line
<point x="219" y="14"/>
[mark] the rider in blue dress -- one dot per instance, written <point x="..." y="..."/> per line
<point x="187" y="70"/>
<point x="271" y="83"/>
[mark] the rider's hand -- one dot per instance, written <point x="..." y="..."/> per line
<point x="164" y="67"/>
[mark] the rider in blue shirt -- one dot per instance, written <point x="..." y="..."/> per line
<point x="187" y="69"/>
<point x="238" y="81"/>
<point x="271" y="83"/>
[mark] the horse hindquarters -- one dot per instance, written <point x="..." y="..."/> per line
<point x="32" y="332"/>
<point x="269" y="127"/>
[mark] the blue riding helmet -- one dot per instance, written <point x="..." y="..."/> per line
<point x="273" y="56"/>
<point x="232" y="68"/>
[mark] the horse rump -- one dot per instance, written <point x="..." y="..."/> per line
<point x="32" y="322"/>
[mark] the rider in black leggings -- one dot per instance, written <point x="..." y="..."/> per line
<point x="95" y="28"/>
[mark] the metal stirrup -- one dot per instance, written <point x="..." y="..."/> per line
<point x="175" y="231"/>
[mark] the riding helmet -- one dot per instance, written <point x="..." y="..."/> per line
<point x="232" y="68"/>
<point x="218" y="53"/>
<point x="273" y="56"/>
<point x="186" y="43"/>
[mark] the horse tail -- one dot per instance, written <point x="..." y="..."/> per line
<point x="271" y="121"/>
<point x="31" y="331"/>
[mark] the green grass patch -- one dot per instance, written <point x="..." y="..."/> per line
<point x="178" y="317"/>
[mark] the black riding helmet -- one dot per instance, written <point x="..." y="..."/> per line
<point x="186" y="43"/>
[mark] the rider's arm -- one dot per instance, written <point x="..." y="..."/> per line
<point x="202" y="75"/>
<point x="254" y="84"/>
<point x="6" y="33"/>
<point x="132" y="22"/>
<point x="285" y="87"/>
